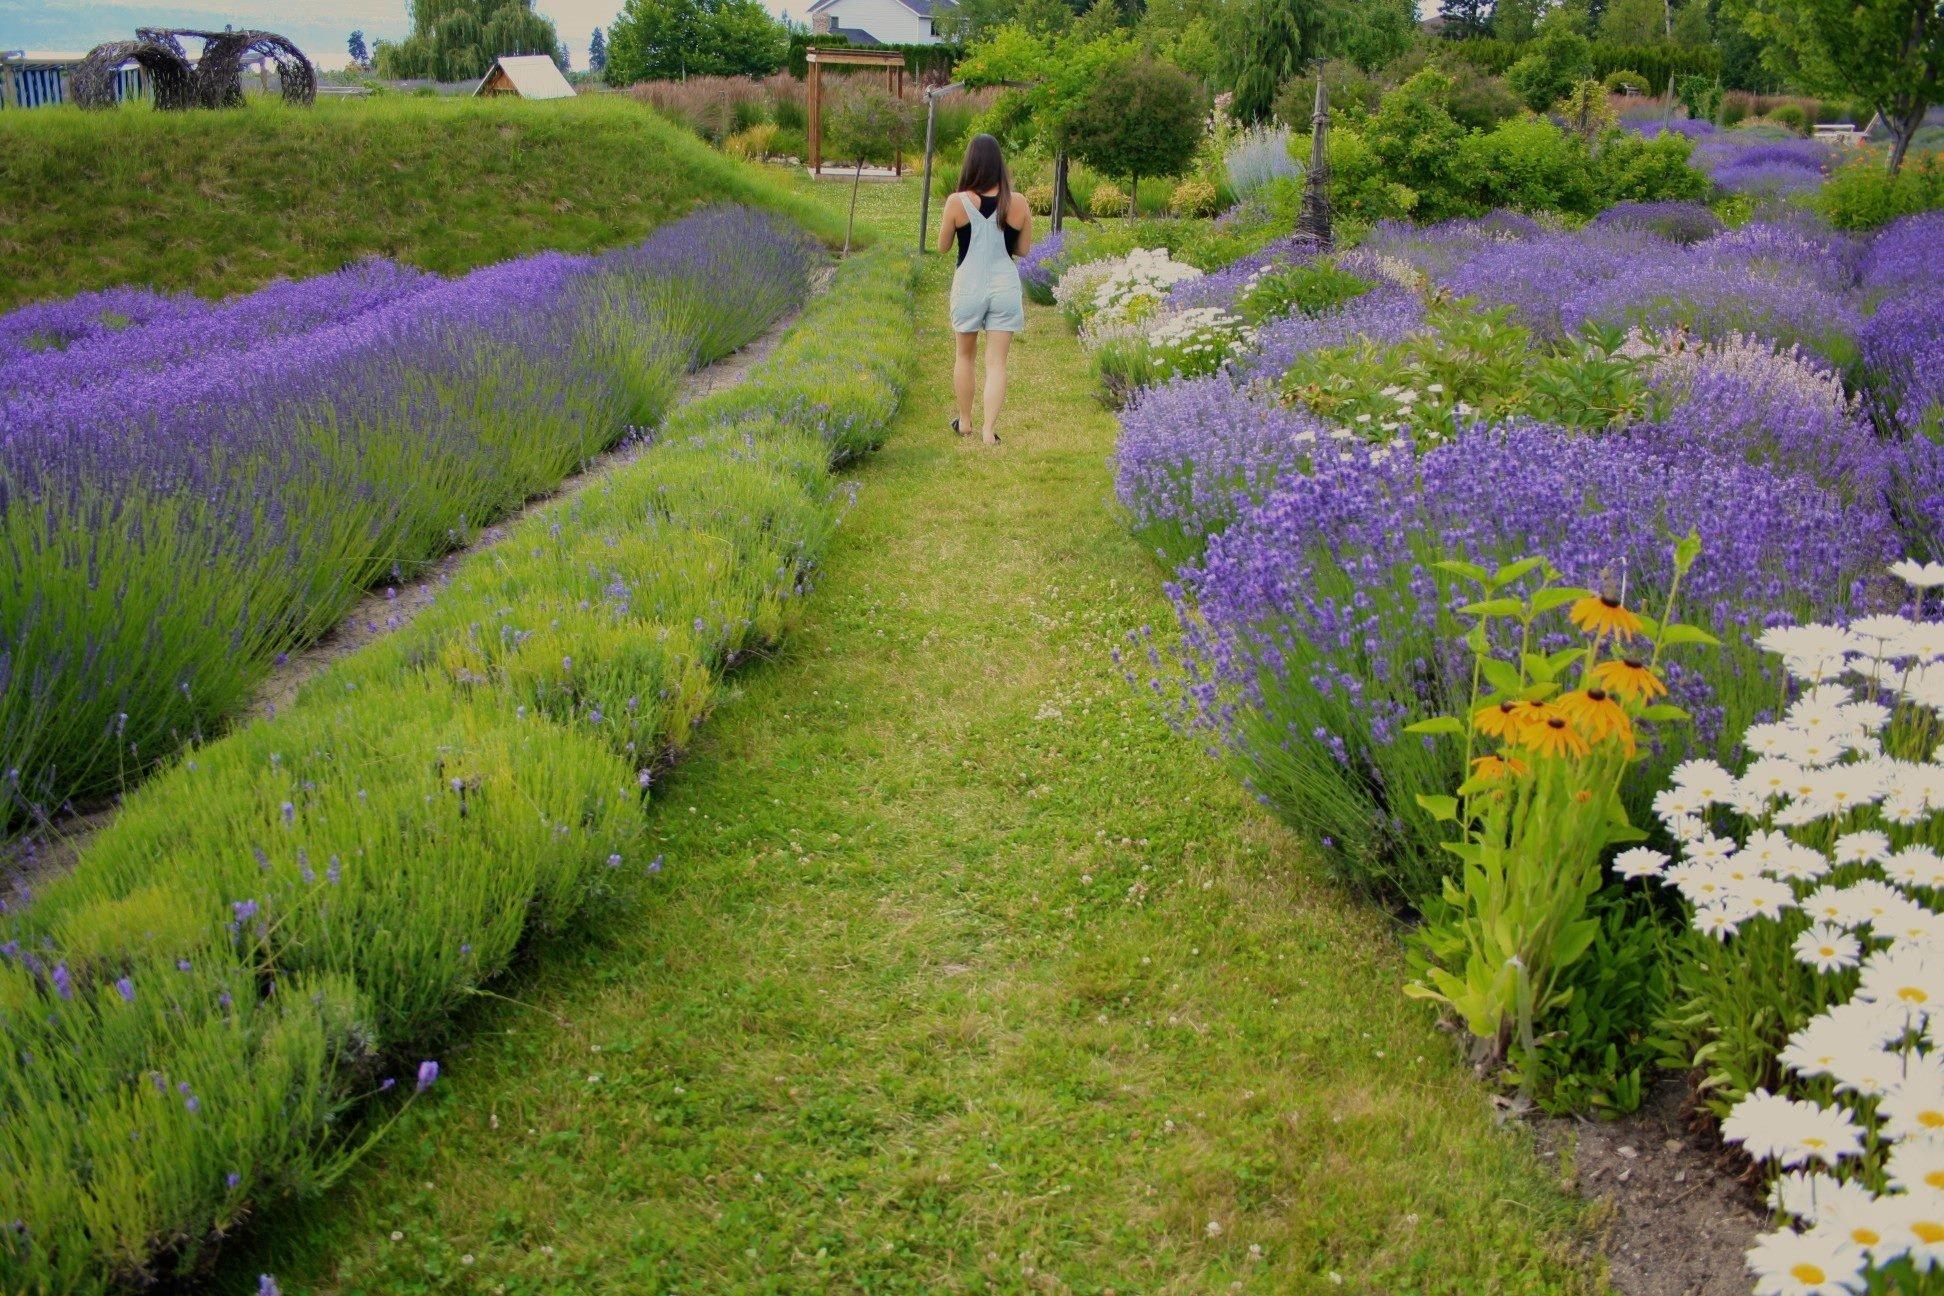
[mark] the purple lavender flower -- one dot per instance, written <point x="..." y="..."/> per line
<point x="63" y="983"/>
<point x="428" y="1072"/>
<point x="125" y="987"/>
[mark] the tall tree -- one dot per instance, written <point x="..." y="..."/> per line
<point x="457" y="40"/>
<point x="360" y="52"/>
<point x="1887" y="53"/>
<point x="597" y="52"/>
<point x="1466" y="19"/>
<point x="1270" y="43"/>
<point x="655" y="40"/>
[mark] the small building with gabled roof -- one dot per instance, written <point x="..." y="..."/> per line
<point x="881" y="22"/>
<point x="525" y="76"/>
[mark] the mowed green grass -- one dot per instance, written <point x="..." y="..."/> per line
<point x="965" y="974"/>
<point x="221" y="202"/>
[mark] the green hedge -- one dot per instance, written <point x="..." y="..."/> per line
<point x="920" y="60"/>
<point x="294" y="909"/>
<point x="1657" y="63"/>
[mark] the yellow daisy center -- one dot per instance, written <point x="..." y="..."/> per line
<point x="1935" y="1179"/>
<point x="1864" y="1236"/>
<point x="1911" y="994"/>
<point x="1932" y="1119"/>
<point x="1808" y="1273"/>
<point x="1929" y="1232"/>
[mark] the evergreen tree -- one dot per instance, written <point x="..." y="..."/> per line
<point x="360" y="53"/>
<point x="457" y="40"/>
<point x="1465" y="19"/>
<point x="597" y="52"/>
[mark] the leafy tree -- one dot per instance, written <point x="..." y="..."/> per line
<point x="658" y="40"/>
<point x="1516" y="21"/>
<point x="360" y="52"/>
<point x="1634" y="22"/>
<point x="1370" y="33"/>
<point x="1418" y="143"/>
<point x="1692" y="30"/>
<point x="1143" y="118"/>
<point x="597" y="52"/>
<point x="1466" y="19"/>
<point x="1888" y="54"/>
<point x="458" y="40"/>
<point x="1270" y="43"/>
<point x="1049" y="72"/>
<point x="1557" y="61"/>
<point x="868" y="121"/>
<point x="1700" y="95"/>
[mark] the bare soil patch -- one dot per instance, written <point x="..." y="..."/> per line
<point x="1677" y="1223"/>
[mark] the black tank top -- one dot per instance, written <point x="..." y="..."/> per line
<point x="988" y="204"/>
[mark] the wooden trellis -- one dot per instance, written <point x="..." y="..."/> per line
<point x="815" y="57"/>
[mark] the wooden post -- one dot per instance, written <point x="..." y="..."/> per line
<point x="9" y="92"/>
<point x="816" y="111"/>
<point x="924" y="196"/>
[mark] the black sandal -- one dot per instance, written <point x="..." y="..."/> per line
<point x="957" y="430"/>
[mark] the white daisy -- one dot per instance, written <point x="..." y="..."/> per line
<point x="1639" y="862"/>
<point x="1787" y="1263"/>
<point x="1828" y="948"/>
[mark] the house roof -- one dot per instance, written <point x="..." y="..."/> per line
<point x="923" y="8"/>
<point x="535" y="76"/>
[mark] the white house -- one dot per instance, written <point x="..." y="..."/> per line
<point x="880" y="22"/>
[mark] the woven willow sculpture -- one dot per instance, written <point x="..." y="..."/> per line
<point x="215" y="80"/>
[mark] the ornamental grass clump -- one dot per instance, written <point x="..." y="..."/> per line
<point x="187" y="501"/>
<point x="1809" y="972"/>
<point x="1548" y="738"/>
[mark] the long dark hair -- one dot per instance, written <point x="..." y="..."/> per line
<point x="985" y="167"/>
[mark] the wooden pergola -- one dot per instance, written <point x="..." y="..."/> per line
<point x="815" y="57"/>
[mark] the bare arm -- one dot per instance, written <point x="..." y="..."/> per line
<point x="948" y="225"/>
<point x="1022" y="220"/>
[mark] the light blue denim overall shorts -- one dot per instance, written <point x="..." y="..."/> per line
<point x="985" y="287"/>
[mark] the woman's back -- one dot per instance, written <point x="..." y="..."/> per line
<point x="988" y="205"/>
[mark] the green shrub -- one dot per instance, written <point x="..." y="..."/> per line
<point x="1193" y="198"/>
<point x="1549" y="68"/>
<point x="1862" y="194"/>
<point x="1478" y="100"/>
<point x="1309" y="289"/>
<point x="1793" y="116"/>
<point x="1630" y="168"/>
<point x="1531" y="165"/>
<point x="1040" y="198"/>
<point x="790" y="141"/>
<point x="1625" y="81"/>
<point x="1108" y="199"/>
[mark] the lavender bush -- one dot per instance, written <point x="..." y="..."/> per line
<point x="1315" y="627"/>
<point x="187" y="502"/>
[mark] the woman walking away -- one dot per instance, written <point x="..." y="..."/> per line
<point x="991" y="225"/>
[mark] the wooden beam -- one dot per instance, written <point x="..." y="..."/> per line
<point x="816" y="110"/>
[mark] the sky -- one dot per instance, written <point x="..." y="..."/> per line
<point x="320" y="27"/>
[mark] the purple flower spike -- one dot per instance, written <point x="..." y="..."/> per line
<point x="267" y="1286"/>
<point x="126" y="989"/>
<point x="63" y="983"/>
<point x="427" y="1073"/>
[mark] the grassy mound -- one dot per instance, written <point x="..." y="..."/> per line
<point x="220" y="202"/>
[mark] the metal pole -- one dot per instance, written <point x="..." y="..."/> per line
<point x="924" y="200"/>
<point x="1059" y="189"/>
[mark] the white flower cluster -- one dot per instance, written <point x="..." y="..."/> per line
<point x="1842" y="851"/>
<point x="1121" y="289"/>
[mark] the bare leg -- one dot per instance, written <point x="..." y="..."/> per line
<point x="997" y="344"/>
<point x="968" y="350"/>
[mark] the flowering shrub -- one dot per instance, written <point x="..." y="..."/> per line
<point x="1120" y="290"/>
<point x="1257" y="156"/>
<point x="1810" y="881"/>
<point x="1547" y="740"/>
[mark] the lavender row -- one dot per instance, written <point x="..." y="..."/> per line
<point x="180" y="519"/>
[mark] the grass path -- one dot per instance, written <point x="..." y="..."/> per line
<point x="965" y="974"/>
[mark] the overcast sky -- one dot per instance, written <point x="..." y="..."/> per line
<point x="320" y="27"/>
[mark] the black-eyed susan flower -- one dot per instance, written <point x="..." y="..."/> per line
<point x="1596" y="715"/>
<point x="1497" y="769"/>
<point x="1600" y="614"/>
<point x="1499" y="720"/>
<point x="1553" y="736"/>
<point x="1629" y="678"/>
